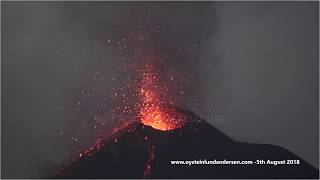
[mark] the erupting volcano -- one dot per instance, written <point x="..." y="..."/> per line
<point x="158" y="133"/>
<point x="152" y="112"/>
<point x="140" y="151"/>
<point x="161" y="135"/>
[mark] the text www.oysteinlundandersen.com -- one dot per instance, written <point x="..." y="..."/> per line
<point x="210" y="162"/>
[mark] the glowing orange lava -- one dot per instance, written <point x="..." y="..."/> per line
<point x="157" y="118"/>
<point x="152" y="112"/>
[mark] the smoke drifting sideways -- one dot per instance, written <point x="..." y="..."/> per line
<point x="75" y="65"/>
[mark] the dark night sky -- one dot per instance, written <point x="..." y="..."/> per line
<point x="253" y="64"/>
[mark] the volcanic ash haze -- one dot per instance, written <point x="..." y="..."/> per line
<point x="255" y="62"/>
<point x="159" y="133"/>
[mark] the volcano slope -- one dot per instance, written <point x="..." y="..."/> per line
<point x="140" y="151"/>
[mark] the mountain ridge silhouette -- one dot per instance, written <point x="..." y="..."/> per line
<point x="131" y="150"/>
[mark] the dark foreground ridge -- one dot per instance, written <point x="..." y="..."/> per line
<point x="139" y="151"/>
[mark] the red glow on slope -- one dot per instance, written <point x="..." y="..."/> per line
<point x="147" y="168"/>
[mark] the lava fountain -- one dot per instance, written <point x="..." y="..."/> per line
<point x="153" y="111"/>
